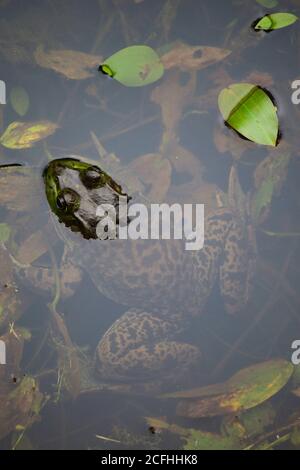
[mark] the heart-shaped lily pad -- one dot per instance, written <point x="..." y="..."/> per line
<point x="249" y="110"/>
<point x="134" y="66"/>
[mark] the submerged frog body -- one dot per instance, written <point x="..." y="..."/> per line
<point x="163" y="285"/>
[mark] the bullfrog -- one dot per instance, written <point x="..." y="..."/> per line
<point x="163" y="285"/>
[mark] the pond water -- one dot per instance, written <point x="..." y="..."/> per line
<point x="162" y="142"/>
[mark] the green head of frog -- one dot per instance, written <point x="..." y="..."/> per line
<point x="75" y="189"/>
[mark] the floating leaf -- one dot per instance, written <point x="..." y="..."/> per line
<point x="74" y="65"/>
<point x="275" y="21"/>
<point x="19" y="100"/>
<point x="246" y="389"/>
<point x="270" y="175"/>
<point x="134" y="66"/>
<point x="5" y="232"/>
<point x="248" y="109"/>
<point x="22" y="135"/>
<point x="268" y="3"/>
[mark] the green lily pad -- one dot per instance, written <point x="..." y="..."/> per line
<point x="248" y="109"/>
<point x="19" y="100"/>
<point x="246" y="389"/>
<point x="134" y="66"/>
<point x="275" y="21"/>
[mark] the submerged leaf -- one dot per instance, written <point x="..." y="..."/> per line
<point x="204" y="440"/>
<point x="268" y="3"/>
<point x="275" y="21"/>
<point x="196" y="439"/>
<point x="19" y="100"/>
<point x="22" y="135"/>
<point x="246" y="389"/>
<point x="295" y="437"/>
<point x="134" y="66"/>
<point x="262" y="199"/>
<point x="5" y="232"/>
<point x="249" y="424"/>
<point x="270" y="175"/>
<point x="189" y="58"/>
<point x="74" y="65"/>
<point x="247" y="109"/>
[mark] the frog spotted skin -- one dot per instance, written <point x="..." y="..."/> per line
<point x="163" y="285"/>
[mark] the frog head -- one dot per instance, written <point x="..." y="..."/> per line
<point x="75" y="189"/>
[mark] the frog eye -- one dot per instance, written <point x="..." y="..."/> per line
<point x="67" y="200"/>
<point x="93" y="177"/>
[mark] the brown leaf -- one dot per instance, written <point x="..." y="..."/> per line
<point x="246" y="389"/>
<point x="263" y="79"/>
<point x="188" y="58"/>
<point x="72" y="64"/>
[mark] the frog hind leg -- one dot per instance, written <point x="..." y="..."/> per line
<point x="140" y="346"/>
<point x="43" y="279"/>
<point x="237" y="267"/>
